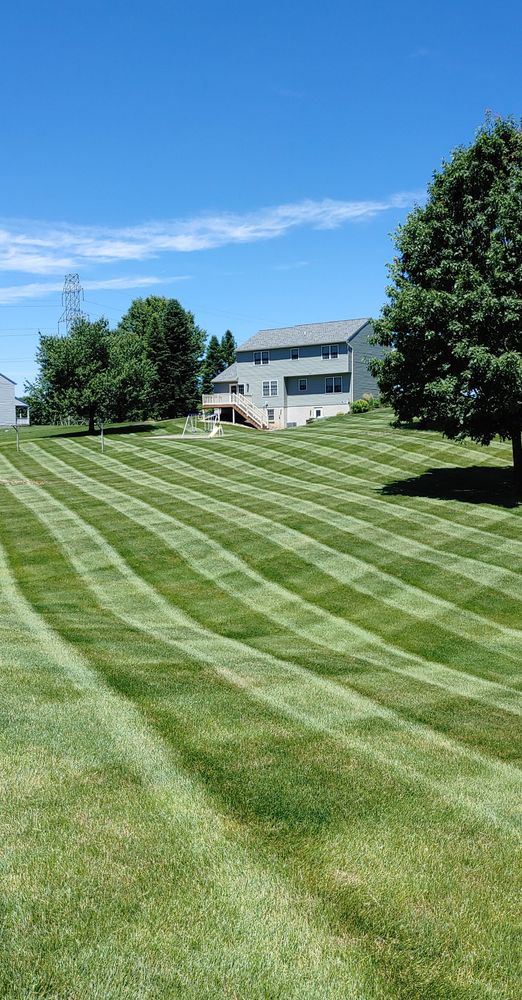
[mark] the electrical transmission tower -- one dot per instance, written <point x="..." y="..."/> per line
<point x="72" y="297"/>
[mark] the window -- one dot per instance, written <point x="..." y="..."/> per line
<point x="303" y="384"/>
<point x="261" y="357"/>
<point x="330" y="351"/>
<point x="266" y="388"/>
<point x="273" y="388"/>
<point x="294" y="354"/>
<point x="333" y="384"/>
<point x="270" y="416"/>
<point x="269" y="389"/>
<point x="318" y="413"/>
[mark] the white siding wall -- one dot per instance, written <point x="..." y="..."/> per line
<point x="7" y="401"/>
<point x="300" y="414"/>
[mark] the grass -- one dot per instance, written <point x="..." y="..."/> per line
<point x="260" y="716"/>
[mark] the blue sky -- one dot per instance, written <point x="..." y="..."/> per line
<point x="250" y="160"/>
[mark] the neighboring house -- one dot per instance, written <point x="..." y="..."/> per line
<point x="13" y="411"/>
<point x="283" y="377"/>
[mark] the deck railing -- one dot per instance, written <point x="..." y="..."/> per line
<point x="243" y="404"/>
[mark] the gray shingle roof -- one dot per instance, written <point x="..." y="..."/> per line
<point x="7" y="379"/>
<point x="300" y="336"/>
<point x="226" y="376"/>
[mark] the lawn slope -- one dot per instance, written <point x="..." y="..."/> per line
<point x="260" y="716"/>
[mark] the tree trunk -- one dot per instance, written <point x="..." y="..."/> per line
<point x="92" y="429"/>
<point x="516" y="443"/>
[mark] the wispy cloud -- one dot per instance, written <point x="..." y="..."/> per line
<point x="37" y="289"/>
<point x="293" y="265"/>
<point x="38" y="248"/>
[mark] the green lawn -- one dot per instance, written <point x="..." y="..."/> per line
<point x="260" y="711"/>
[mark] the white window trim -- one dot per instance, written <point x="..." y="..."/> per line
<point x="333" y="390"/>
<point x="330" y="356"/>
<point x="270" y="410"/>
<point x="267" y="384"/>
<point x="261" y="361"/>
<point x="276" y="383"/>
<point x="299" y="389"/>
<point x="292" y="349"/>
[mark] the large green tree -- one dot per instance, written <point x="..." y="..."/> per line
<point x="453" y="322"/>
<point x="177" y="353"/>
<point x="91" y="375"/>
<point x="173" y="345"/>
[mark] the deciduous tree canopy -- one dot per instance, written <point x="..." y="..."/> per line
<point x="453" y="321"/>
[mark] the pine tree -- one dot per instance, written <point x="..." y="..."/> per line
<point x="179" y="351"/>
<point x="228" y="349"/>
<point x="213" y="364"/>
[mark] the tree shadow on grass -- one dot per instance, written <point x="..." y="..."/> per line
<point x="471" y="484"/>
<point x="124" y="429"/>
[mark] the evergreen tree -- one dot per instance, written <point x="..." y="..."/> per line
<point x="212" y="365"/>
<point x="453" y="322"/>
<point x="228" y="349"/>
<point x="178" y="350"/>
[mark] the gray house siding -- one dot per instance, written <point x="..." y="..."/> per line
<point x="363" y="382"/>
<point x="274" y="385"/>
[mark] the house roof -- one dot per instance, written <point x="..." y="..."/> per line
<point x="227" y="375"/>
<point x="20" y="402"/>
<point x="7" y="379"/>
<point x="306" y="334"/>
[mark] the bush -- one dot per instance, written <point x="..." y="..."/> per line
<point x="361" y="406"/>
<point x="372" y="402"/>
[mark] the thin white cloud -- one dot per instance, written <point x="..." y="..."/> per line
<point x="292" y="265"/>
<point x="38" y="248"/>
<point x="37" y="289"/>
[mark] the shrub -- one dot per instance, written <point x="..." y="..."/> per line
<point x="360" y="406"/>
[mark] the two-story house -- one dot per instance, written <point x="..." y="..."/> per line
<point x="283" y="377"/>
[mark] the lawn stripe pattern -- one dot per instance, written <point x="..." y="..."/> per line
<point x="317" y="702"/>
<point x="296" y="686"/>
<point x="279" y="606"/>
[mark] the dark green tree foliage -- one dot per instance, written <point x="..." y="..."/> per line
<point x="212" y="365"/>
<point x="228" y="349"/>
<point x="91" y="375"/>
<point x="177" y="356"/>
<point x="453" y="321"/>
<point x="141" y="315"/>
<point x="132" y="377"/>
<point x="72" y="371"/>
<point x="173" y="345"/>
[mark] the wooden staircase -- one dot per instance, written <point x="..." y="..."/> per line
<point x="243" y="405"/>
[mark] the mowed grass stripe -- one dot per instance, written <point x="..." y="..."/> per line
<point x="455" y="523"/>
<point x="466" y="779"/>
<point x="378" y="474"/>
<point x="493" y="577"/>
<point x="303" y="619"/>
<point x="342" y="567"/>
<point x="284" y="934"/>
<point x="376" y="892"/>
<point x="281" y="605"/>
